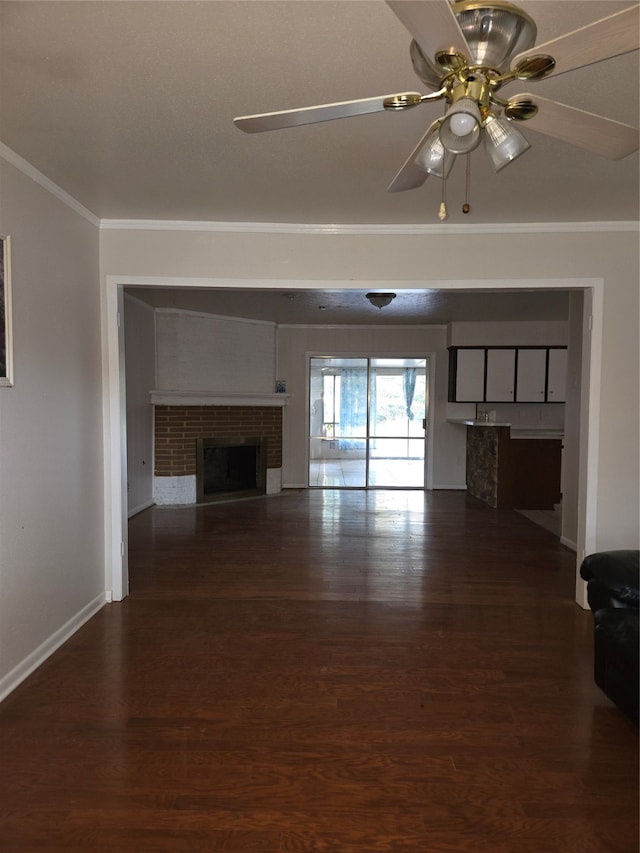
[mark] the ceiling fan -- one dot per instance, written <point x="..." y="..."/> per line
<point x="465" y="51"/>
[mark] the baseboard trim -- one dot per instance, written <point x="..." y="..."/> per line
<point x="568" y="543"/>
<point x="37" y="657"/>
<point x="441" y="487"/>
<point x="140" y="508"/>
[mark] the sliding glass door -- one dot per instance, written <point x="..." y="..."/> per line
<point x="367" y="422"/>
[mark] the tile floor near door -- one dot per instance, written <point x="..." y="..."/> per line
<point x="326" y="672"/>
<point x="383" y="473"/>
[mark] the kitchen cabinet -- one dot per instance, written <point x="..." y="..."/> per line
<point x="507" y="374"/>
<point x="531" y="376"/>
<point x="500" y="375"/>
<point x="557" y="376"/>
<point x="469" y="373"/>
<point x="509" y="473"/>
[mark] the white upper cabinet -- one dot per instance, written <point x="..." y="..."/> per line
<point x="470" y="375"/>
<point x="531" y="375"/>
<point x="507" y="374"/>
<point x="500" y="375"/>
<point x="557" y="380"/>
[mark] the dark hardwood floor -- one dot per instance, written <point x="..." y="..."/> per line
<point x="382" y="672"/>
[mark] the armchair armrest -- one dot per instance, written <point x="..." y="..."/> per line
<point x="613" y="578"/>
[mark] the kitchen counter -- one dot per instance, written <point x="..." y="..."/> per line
<point x="471" y="422"/>
<point x="515" y="432"/>
<point x="513" y="468"/>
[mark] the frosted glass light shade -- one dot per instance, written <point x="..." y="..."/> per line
<point x="503" y="142"/>
<point x="434" y="157"/>
<point x="460" y="129"/>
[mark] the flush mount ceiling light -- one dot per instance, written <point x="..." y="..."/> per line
<point x="381" y="300"/>
<point x="465" y="51"/>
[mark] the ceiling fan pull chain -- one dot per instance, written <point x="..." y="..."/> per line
<point x="442" y="212"/>
<point x="466" y="207"/>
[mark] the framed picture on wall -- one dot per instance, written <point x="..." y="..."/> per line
<point x="6" y="361"/>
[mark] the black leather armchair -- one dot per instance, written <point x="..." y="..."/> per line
<point x="614" y="597"/>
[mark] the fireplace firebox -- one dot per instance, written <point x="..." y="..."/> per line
<point x="230" y="468"/>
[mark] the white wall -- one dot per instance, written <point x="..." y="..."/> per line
<point x="51" y="476"/>
<point x="555" y="255"/>
<point x="201" y="352"/>
<point x="525" y="333"/>
<point x="295" y="343"/>
<point x="140" y="364"/>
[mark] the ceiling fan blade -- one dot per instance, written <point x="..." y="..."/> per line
<point x="432" y="24"/>
<point x="310" y="115"/>
<point x="411" y="176"/>
<point x="618" y="33"/>
<point x="594" y="133"/>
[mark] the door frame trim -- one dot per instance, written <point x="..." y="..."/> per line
<point x="114" y="410"/>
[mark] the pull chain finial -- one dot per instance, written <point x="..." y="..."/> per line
<point x="466" y="207"/>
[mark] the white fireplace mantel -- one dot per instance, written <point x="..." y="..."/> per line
<point x="214" y="398"/>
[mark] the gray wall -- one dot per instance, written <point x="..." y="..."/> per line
<point x="51" y="475"/>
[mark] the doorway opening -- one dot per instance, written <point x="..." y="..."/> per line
<point x="367" y="422"/>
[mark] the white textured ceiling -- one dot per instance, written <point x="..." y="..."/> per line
<point x="128" y="106"/>
<point x="351" y="307"/>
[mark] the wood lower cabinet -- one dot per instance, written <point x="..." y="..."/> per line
<point x="534" y="468"/>
<point x="507" y="473"/>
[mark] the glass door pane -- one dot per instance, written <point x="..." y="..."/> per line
<point x="338" y="422"/>
<point x="397" y="412"/>
<point x="367" y="420"/>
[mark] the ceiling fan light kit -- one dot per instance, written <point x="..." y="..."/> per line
<point x="465" y="51"/>
<point x="503" y="142"/>
<point x="460" y="128"/>
<point x="434" y="158"/>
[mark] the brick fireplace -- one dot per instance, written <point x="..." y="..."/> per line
<point x="178" y="428"/>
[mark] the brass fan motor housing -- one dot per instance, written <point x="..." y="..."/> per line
<point x="511" y="31"/>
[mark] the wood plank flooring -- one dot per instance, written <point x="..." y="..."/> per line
<point x="320" y="671"/>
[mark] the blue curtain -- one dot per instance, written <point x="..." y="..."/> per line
<point x="409" y="386"/>
<point x="353" y="406"/>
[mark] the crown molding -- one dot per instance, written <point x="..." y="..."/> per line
<point x="39" y="178"/>
<point x="376" y="230"/>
